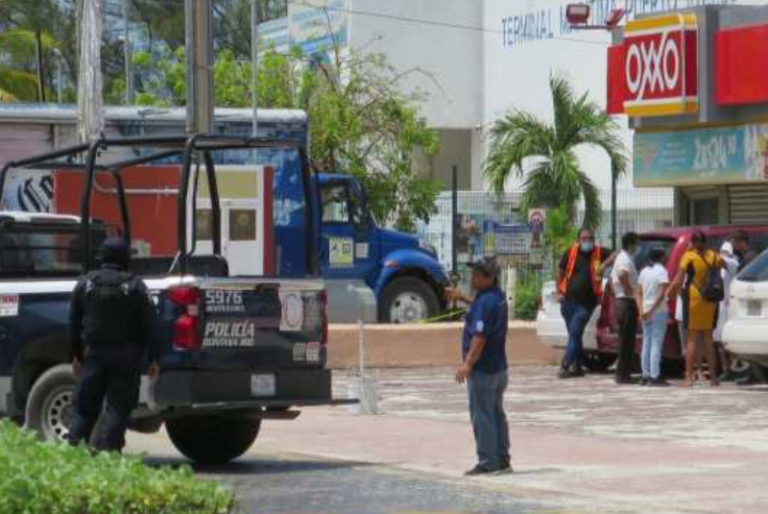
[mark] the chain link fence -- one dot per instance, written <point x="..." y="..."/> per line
<point x="489" y="224"/>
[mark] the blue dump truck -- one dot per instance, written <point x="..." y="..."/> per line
<point x="403" y="272"/>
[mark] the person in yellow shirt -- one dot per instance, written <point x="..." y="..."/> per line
<point x="699" y="314"/>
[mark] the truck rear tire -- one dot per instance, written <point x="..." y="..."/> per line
<point x="407" y="300"/>
<point x="49" y="405"/>
<point x="212" y="439"/>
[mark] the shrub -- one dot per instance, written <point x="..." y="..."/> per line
<point x="52" y="478"/>
<point x="527" y="292"/>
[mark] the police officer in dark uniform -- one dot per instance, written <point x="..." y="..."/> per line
<point x="113" y="331"/>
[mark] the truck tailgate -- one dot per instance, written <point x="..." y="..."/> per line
<point x="258" y="323"/>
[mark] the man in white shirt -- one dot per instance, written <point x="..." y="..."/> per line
<point x="624" y="282"/>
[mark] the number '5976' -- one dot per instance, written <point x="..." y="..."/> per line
<point x="224" y="297"/>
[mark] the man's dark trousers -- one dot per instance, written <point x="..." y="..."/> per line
<point x="626" y="316"/>
<point x="111" y="378"/>
<point x="576" y="316"/>
<point x="489" y="422"/>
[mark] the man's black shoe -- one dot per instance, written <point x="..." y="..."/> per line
<point x="659" y="382"/>
<point x="479" y="470"/>
<point x="506" y="467"/>
<point x="565" y="373"/>
<point x="645" y="381"/>
<point x="578" y="371"/>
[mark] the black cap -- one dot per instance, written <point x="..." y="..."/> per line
<point x="114" y="251"/>
<point x="487" y="266"/>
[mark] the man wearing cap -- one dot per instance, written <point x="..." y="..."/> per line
<point x="112" y="328"/>
<point x="484" y="367"/>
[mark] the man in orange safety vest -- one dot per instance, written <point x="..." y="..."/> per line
<point x="580" y="287"/>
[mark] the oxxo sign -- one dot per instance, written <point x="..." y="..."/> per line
<point x="654" y="72"/>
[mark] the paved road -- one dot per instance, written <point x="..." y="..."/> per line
<point x="300" y="485"/>
<point x="578" y="446"/>
<point x="729" y="416"/>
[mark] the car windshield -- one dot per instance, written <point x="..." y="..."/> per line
<point x="646" y="245"/>
<point x="757" y="270"/>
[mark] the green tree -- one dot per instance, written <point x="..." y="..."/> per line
<point x="559" y="233"/>
<point x="555" y="177"/>
<point x="361" y="123"/>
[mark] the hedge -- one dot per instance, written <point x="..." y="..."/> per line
<point x="52" y="478"/>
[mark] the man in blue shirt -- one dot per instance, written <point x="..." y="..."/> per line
<point x="484" y="367"/>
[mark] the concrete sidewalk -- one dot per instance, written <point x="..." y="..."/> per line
<point x="575" y="473"/>
<point x="578" y="446"/>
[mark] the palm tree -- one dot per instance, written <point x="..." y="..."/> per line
<point x="554" y="177"/>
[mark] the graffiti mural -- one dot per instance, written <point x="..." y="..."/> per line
<point x="28" y="190"/>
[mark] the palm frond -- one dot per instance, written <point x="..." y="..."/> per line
<point x="563" y="102"/>
<point x="601" y="131"/>
<point x="515" y="137"/>
<point x="542" y="189"/>
<point x="7" y="98"/>
<point x="20" y="85"/>
<point x="593" y="208"/>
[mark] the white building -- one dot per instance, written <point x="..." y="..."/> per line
<point x="479" y="58"/>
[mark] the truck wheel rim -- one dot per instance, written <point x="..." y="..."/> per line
<point x="407" y="307"/>
<point x="58" y="414"/>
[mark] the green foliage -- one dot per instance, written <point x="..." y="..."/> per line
<point x="52" y="478"/>
<point x="554" y="176"/>
<point x="527" y="292"/>
<point x="559" y="232"/>
<point x="361" y="123"/>
<point x="24" y="25"/>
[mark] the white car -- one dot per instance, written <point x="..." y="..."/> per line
<point x="746" y="332"/>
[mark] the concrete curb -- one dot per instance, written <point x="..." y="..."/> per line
<point x="436" y="344"/>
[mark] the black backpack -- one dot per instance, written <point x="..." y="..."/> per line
<point x="714" y="287"/>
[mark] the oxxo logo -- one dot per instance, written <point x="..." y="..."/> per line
<point x="653" y="66"/>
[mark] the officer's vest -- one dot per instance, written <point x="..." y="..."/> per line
<point x="595" y="262"/>
<point x="109" y="307"/>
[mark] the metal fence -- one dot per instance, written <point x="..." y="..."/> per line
<point x="493" y="225"/>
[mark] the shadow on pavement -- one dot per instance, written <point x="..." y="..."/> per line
<point x="256" y="466"/>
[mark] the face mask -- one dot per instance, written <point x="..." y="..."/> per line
<point x="587" y="246"/>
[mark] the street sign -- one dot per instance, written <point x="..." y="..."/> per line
<point x="536" y="218"/>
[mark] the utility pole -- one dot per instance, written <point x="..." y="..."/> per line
<point x="255" y="61"/>
<point x="128" y="56"/>
<point x="199" y="45"/>
<point x="454" y="217"/>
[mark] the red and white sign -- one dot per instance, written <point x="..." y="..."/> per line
<point x="741" y="58"/>
<point x="655" y="71"/>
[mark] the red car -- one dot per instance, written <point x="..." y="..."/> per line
<point x="675" y="241"/>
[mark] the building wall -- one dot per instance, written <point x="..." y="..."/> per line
<point x="441" y="50"/>
<point x="447" y="59"/>
<point x="528" y="40"/>
<point x="455" y="150"/>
